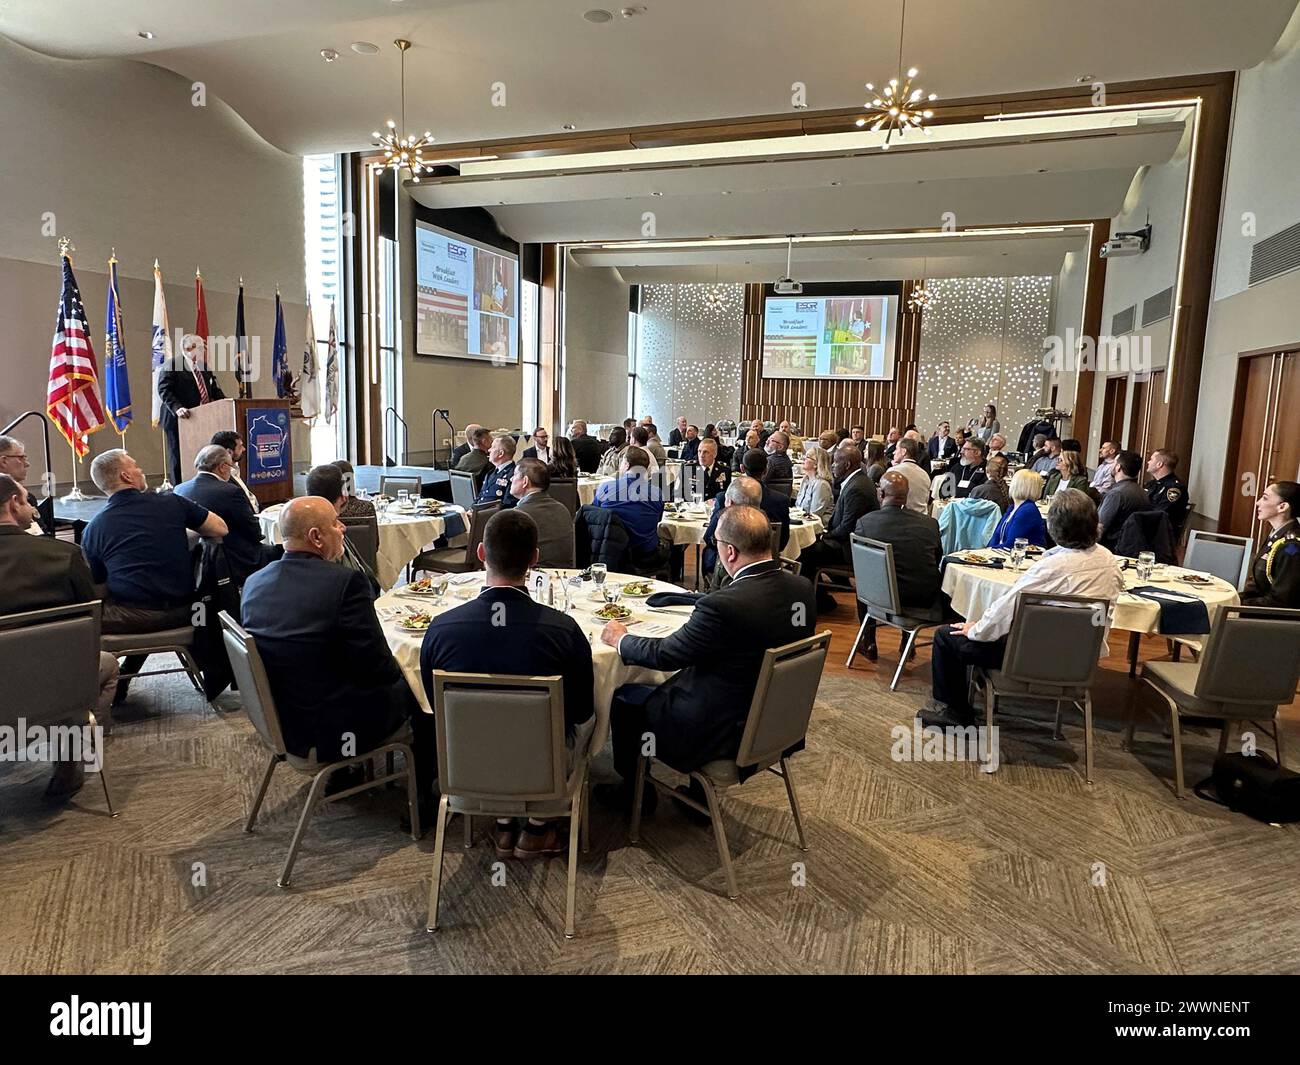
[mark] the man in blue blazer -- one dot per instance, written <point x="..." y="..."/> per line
<point x="336" y="684"/>
<point x="212" y="488"/>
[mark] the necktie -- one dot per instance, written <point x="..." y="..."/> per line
<point x="203" y="388"/>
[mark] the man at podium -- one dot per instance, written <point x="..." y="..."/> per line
<point x="181" y="387"/>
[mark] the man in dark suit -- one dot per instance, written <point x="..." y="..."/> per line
<point x="531" y="486"/>
<point x="776" y="505"/>
<point x="778" y="462"/>
<point x="527" y="638"/>
<point x="464" y="448"/>
<point x="857" y="497"/>
<point x="540" y="447"/>
<point x="699" y="714"/>
<point x="678" y="436"/>
<point x="942" y="445"/>
<point x="38" y="572"/>
<point x="337" y="688"/>
<point x="918" y="550"/>
<point x="212" y="488"/>
<point x="184" y="384"/>
<point x="586" y="448"/>
<point x="753" y="441"/>
<point x="327" y="482"/>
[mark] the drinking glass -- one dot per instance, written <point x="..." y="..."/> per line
<point x="1146" y="565"/>
<point x="1018" y="550"/>
<point x="598" y="573"/>
<point x="697" y="499"/>
<point x="612" y="593"/>
<point x="572" y="593"/>
<point x="403" y="498"/>
<point x="439" y="588"/>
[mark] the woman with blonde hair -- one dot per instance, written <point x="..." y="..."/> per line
<point x="1022" y="519"/>
<point x="815" y="492"/>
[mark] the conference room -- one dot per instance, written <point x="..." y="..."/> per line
<point x="660" y="490"/>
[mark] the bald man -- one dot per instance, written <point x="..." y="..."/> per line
<point x="336" y="685"/>
<point x="465" y="446"/>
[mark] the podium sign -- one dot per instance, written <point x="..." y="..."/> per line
<point x="266" y="434"/>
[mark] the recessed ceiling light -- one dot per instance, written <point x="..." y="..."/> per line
<point x="656" y="194"/>
<point x="834" y="184"/>
<point x="145" y="34"/>
<point x="329" y="54"/>
<point x="597" y="15"/>
<point x="569" y="126"/>
<point x="1084" y="79"/>
<point x="632" y="12"/>
<point x="726" y="192"/>
<point x="365" y="48"/>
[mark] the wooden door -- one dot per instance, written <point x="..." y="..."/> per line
<point x="1112" y="417"/>
<point x="1150" y="415"/>
<point x="1265" y="446"/>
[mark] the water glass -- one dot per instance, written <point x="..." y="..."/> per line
<point x="1018" y="551"/>
<point x="697" y="499"/>
<point x="612" y="593"/>
<point x="403" y="498"/>
<point x="572" y="593"/>
<point x="1146" y="565"/>
<point x="598" y="573"/>
<point x="438" y="588"/>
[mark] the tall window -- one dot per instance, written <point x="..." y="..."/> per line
<point x="323" y="233"/>
<point x="633" y="332"/>
<point x="530" y="348"/>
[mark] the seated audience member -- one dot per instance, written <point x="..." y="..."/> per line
<point x="352" y="506"/>
<point x="742" y="492"/>
<point x="1165" y="491"/>
<point x="710" y="476"/>
<point x="1044" y="461"/>
<point x="815" y="492"/>
<point x="922" y="457"/>
<point x="691" y="445"/>
<point x="36" y="573"/>
<point x="1077" y="565"/>
<point x="496" y="485"/>
<point x="857" y="497"/>
<point x="540" y="448"/>
<point x="828" y="441"/>
<point x="776" y="505"/>
<point x="564" y="463"/>
<point x="635" y="499"/>
<point x="1104" y="479"/>
<point x="327" y="483"/>
<point x="796" y="441"/>
<point x="334" y="680"/>
<point x="856" y="436"/>
<point x="528" y="639"/>
<point x="213" y="489"/>
<point x="15" y="463"/>
<point x="628" y="425"/>
<point x="942" y="446"/>
<point x="875" y="461"/>
<point x="1022" y="519"/>
<point x="907" y="453"/>
<point x="1067" y="474"/>
<point x="476" y="460"/>
<point x="531" y="486"/>
<point x="1126" y="497"/>
<point x="654" y="445"/>
<point x="612" y="460"/>
<point x="234" y="443"/>
<point x="891" y="439"/>
<point x="779" y="467"/>
<point x="138" y="546"/>
<point x="969" y="473"/>
<point x="918" y="550"/>
<point x="997" y="445"/>
<point x="752" y="442"/>
<point x="698" y="715"/>
<point x="763" y="431"/>
<point x="641" y="439"/>
<point x="995" y="487"/>
<point x="463" y="449"/>
<point x="678" y="436"/>
<point x="1275" y="576"/>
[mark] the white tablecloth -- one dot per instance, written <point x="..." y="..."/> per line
<point x="587" y="487"/>
<point x="609" y="670"/>
<point x="401" y="538"/>
<point x="689" y="529"/>
<point x="973" y="588"/>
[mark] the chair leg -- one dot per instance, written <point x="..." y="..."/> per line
<point x="903" y="652"/>
<point x="435" y="885"/>
<point x="1087" y="736"/>
<point x="1134" y="644"/>
<point x="304" y="819"/>
<point x="720" y="834"/>
<point x="1057" y="734"/>
<point x="469" y="831"/>
<point x="1277" y="739"/>
<point x="990" y="765"/>
<point x="642" y="768"/>
<point x="1132" y="726"/>
<point x="261" y="793"/>
<point x="192" y="670"/>
<point x="1177" y="649"/>
<point x="103" y="783"/>
<point x="412" y="789"/>
<point x="856" y="641"/>
<point x="1225" y="734"/>
<point x="1179" y="790"/>
<point x="794" y="804"/>
<point x="571" y="890"/>
<point x="586" y="814"/>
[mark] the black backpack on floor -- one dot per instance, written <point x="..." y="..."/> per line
<point x="1254" y="785"/>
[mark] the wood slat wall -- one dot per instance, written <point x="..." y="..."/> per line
<point x="825" y="404"/>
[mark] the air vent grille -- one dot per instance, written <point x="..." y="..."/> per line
<point x="1158" y="306"/>
<point x="1275" y="255"/>
<point x="1123" y="321"/>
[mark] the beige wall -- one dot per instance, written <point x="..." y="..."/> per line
<point x="595" y="344"/>
<point x="113" y="154"/>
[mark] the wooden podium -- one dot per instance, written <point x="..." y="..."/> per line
<point x="264" y="424"/>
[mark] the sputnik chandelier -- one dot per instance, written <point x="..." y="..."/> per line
<point x="899" y="106"/>
<point x="402" y="150"/>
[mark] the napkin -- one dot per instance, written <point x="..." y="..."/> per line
<point x="1179" y="612"/>
<point x="674" y="598"/>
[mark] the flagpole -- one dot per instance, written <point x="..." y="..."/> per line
<point x="76" y="495"/>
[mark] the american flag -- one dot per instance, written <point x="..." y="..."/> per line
<point x="72" y="399"/>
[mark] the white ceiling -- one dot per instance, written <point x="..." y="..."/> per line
<point x="682" y="60"/>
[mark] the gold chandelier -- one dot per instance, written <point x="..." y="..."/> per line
<point x="403" y="151"/>
<point x="899" y="106"/>
<point x="921" y="299"/>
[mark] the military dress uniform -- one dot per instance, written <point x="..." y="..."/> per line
<point x="496" y="487"/>
<point x="1275" y="576"/>
<point x="1170" y="495"/>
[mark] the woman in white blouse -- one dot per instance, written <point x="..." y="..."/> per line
<point x="815" y="492"/>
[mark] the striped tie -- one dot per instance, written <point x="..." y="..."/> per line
<point x="203" y="389"/>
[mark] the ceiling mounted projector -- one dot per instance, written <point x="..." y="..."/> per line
<point x="787" y="285"/>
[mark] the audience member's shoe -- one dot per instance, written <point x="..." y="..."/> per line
<point x="541" y="841"/>
<point x="868" y="651"/>
<point x="619" y="797"/>
<point x="347" y="777"/>
<point x="696" y="792"/>
<point x="825" y="601"/>
<point x="428" y="815"/>
<point x="504" y="838"/>
<point x="67" y="781"/>
<point x="940" y="715"/>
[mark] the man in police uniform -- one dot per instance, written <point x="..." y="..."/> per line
<point x="1165" y="490"/>
<point x="496" y="484"/>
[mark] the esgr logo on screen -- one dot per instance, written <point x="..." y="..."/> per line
<point x="805" y="306"/>
<point x="457" y="251"/>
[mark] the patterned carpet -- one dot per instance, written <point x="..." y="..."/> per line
<point x="914" y="867"/>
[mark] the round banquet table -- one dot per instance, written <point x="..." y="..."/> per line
<point x="587" y="486"/>
<point x="973" y="588"/>
<point x="689" y="528"/>
<point x="401" y="537"/>
<point x="609" y="670"/>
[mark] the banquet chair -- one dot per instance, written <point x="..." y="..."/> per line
<point x="777" y="721"/>
<point x="786" y="487"/>
<point x="1226" y="557"/>
<point x="775" y="528"/>
<point x="390" y="486"/>
<point x="178" y="641"/>
<point x="1258" y="642"/>
<point x="259" y="704"/>
<point x="876" y="579"/>
<point x="363" y="534"/>
<point x="1147" y="530"/>
<point x="1052" y="654"/>
<point x="502" y="753"/>
<point x="968" y="524"/>
<point x="58" y="649"/>
<point x="565" y="489"/>
<point x="459" y="559"/>
<point x="790" y="565"/>
<point x="464" y="488"/>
